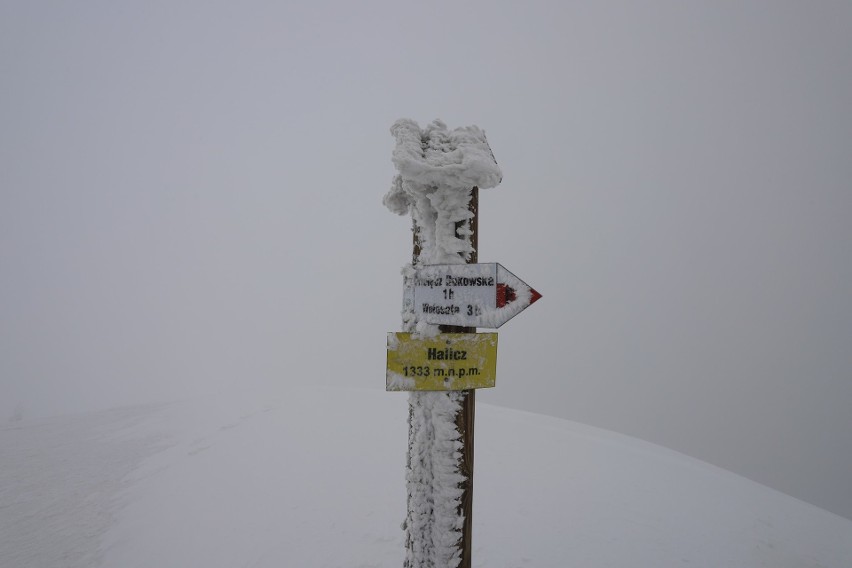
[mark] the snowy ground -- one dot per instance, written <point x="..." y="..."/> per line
<point x="315" y="478"/>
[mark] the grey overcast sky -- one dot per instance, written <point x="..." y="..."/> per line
<point x="190" y="199"/>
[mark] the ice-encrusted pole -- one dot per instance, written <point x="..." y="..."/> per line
<point x="440" y="173"/>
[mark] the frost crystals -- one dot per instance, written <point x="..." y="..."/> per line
<point x="438" y="169"/>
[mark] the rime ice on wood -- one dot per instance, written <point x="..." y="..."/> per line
<point x="438" y="170"/>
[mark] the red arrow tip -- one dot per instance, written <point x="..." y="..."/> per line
<point x="505" y="295"/>
<point x="534" y="296"/>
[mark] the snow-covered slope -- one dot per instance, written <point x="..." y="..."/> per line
<point x="314" y="478"/>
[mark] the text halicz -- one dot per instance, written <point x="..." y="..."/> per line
<point x="433" y="353"/>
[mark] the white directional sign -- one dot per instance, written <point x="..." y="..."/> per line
<point x="470" y="295"/>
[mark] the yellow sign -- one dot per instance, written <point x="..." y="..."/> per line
<point x="446" y="362"/>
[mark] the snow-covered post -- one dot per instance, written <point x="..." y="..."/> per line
<point x="440" y="172"/>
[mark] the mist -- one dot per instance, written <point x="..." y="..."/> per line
<point x="190" y="202"/>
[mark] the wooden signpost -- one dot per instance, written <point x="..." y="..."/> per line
<point x="454" y="296"/>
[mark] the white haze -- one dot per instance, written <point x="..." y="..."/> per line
<point x="190" y="198"/>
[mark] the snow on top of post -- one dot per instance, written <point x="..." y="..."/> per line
<point x="436" y="156"/>
<point x="438" y="168"/>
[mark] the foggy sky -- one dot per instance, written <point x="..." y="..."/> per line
<point x="190" y="200"/>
